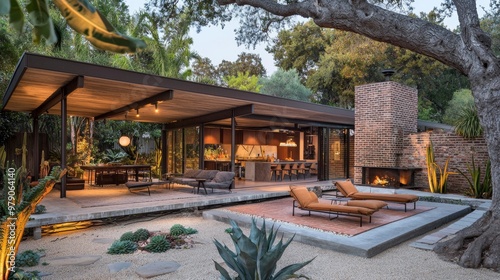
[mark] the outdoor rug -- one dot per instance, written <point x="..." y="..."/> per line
<point x="280" y="210"/>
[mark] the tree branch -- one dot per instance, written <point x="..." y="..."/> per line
<point x="361" y="17"/>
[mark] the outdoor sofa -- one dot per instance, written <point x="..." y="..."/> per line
<point x="350" y="191"/>
<point x="308" y="201"/>
<point x="213" y="179"/>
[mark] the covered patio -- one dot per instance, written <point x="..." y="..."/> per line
<point x="48" y="85"/>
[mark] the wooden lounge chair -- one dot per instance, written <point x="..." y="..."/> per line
<point x="349" y="190"/>
<point x="308" y="201"/>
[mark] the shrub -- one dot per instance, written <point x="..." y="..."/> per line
<point x="141" y="234"/>
<point x="256" y="256"/>
<point x="157" y="244"/>
<point x="27" y="258"/>
<point x="122" y="247"/>
<point x="128" y="236"/>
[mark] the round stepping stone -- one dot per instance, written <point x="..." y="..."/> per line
<point x="115" y="267"/>
<point x="156" y="269"/>
<point x="74" y="260"/>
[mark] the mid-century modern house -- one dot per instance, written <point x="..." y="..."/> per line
<point x="211" y="127"/>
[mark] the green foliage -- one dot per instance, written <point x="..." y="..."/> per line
<point x="177" y="230"/>
<point x="122" y="247"/>
<point x="285" y="84"/>
<point x="468" y="124"/>
<point x="437" y="176"/>
<point x="256" y="255"/>
<point x="141" y="234"/>
<point x="128" y="236"/>
<point x="243" y="81"/>
<point x="114" y="156"/>
<point x="79" y="14"/>
<point x="478" y="188"/>
<point x="190" y="231"/>
<point x="27" y="258"/>
<point x="157" y="244"/>
<point x="461" y="99"/>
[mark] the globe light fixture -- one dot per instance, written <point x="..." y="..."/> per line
<point x="124" y="141"/>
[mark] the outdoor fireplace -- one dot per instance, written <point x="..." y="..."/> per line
<point x="394" y="177"/>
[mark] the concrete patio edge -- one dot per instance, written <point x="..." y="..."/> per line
<point x="366" y="244"/>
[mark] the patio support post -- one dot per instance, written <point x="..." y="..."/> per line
<point x="233" y="142"/>
<point x="64" y="119"/>
<point x="347" y="151"/>
<point x="36" y="149"/>
<point x="164" y="150"/>
<point x="324" y="150"/>
<point x="201" y="152"/>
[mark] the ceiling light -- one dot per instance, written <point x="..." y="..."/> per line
<point x="137" y="115"/>
<point x="156" y="107"/>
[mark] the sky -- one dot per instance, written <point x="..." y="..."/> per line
<point x="207" y="43"/>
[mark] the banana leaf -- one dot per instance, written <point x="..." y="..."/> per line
<point x="16" y="15"/>
<point x="88" y="21"/>
<point x="38" y="14"/>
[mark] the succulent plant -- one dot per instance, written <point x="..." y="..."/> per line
<point x="122" y="247"/>
<point x="141" y="234"/>
<point x="256" y="256"/>
<point x="177" y="230"/>
<point x="27" y="258"/>
<point x="128" y="236"/>
<point x="157" y="244"/>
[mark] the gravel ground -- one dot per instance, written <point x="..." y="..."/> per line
<point x="400" y="262"/>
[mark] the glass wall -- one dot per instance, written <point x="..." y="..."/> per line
<point x="183" y="150"/>
<point x="341" y="160"/>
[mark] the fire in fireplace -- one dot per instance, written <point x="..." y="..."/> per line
<point x="388" y="176"/>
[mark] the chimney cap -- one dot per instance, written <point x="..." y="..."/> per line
<point x="388" y="73"/>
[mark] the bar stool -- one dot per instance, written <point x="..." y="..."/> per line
<point x="286" y="171"/>
<point x="275" y="170"/>
<point x="303" y="170"/>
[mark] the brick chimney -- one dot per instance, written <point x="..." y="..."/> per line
<point x="384" y="113"/>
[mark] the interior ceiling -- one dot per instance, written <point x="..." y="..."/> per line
<point x="94" y="90"/>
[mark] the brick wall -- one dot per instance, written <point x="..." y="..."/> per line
<point x="385" y="112"/>
<point x="446" y="145"/>
<point x="386" y="136"/>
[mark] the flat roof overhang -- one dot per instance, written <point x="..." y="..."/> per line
<point x="99" y="92"/>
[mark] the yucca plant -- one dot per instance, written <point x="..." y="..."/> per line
<point x="467" y="124"/>
<point x="478" y="189"/>
<point x="437" y="176"/>
<point x="256" y="256"/>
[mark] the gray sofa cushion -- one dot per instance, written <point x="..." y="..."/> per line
<point x="191" y="173"/>
<point x="207" y="174"/>
<point x="223" y="177"/>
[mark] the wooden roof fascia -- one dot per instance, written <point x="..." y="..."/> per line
<point x="216" y="116"/>
<point x="21" y="68"/>
<point x="58" y="95"/>
<point x="163" y="96"/>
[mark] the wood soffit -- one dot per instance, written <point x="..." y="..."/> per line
<point x="105" y="89"/>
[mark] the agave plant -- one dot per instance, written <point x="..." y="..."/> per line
<point x="479" y="189"/>
<point x="256" y="255"/>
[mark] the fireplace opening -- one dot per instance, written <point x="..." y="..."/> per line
<point x="395" y="177"/>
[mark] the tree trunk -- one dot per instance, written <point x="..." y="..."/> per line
<point x="479" y="244"/>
